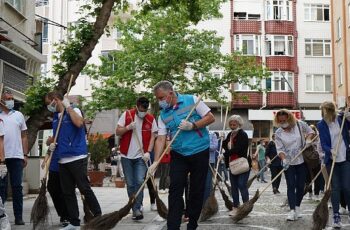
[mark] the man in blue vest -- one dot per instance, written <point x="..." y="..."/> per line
<point x="189" y="151"/>
<point x="71" y="150"/>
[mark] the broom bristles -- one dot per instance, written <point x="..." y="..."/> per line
<point x="161" y="207"/>
<point x="40" y="209"/>
<point x="109" y="220"/>
<point x="88" y="214"/>
<point x="228" y="202"/>
<point x="251" y="180"/>
<point x="210" y="207"/>
<point x="244" y="210"/>
<point x="320" y="215"/>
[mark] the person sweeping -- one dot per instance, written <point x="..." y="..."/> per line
<point x="189" y="151"/>
<point x="330" y="132"/>
<point x="289" y="139"/>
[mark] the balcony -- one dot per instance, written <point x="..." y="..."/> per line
<point x="280" y="99"/>
<point x="246" y="27"/>
<point x="248" y="99"/>
<point x="285" y="63"/>
<point x="279" y="27"/>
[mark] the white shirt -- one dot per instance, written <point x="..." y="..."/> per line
<point x="134" y="150"/>
<point x="65" y="160"/>
<point x="289" y="142"/>
<point x="14" y="124"/>
<point x="334" y="130"/>
<point x="202" y="109"/>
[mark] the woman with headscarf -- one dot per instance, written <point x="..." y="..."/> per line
<point x="329" y="129"/>
<point x="290" y="138"/>
<point x="236" y="146"/>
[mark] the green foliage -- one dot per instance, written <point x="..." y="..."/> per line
<point x="35" y="95"/>
<point x="98" y="149"/>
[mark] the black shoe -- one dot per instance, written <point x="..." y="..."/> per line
<point x="278" y="191"/>
<point x="64" y="222"/>
<point x="137" y="215"/>
<point x="264" y="181"/>
<point x="274" y="191"/>
<point x="19" y="222"/>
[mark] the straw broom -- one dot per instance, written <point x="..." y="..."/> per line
<point x="40" y="209"/>
<point x="108" y="221"/>
<point x="228" y="202"/>
<point x="250" y="181"/>
<point x="161" y="207"/>
<point x="320" y="215"/>
<point x="247" y="207"/>
<point x="211" y="206"/>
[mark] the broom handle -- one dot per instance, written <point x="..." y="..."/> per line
<point x="266" y="165"/>
<point x="168" y="146"/>
<point x="221" y="141"/>
<point x="280" y="173"/>
<point x="336" y="150"/>
<point x="57" y="130"/>
<point x="218" y="174"/>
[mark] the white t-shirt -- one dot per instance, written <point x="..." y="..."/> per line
<point x="14" y="124"/>
<point x="73" y="158"/>
<point x="334" y="130"/>
<point x="289" y="142"/>
<point x="134" y="150"/>
<point x="202" y="109"/>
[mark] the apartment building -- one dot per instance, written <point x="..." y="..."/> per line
<point x="340" y="17"/>
<point x="291" y="38"/>
<point x="20" y="46"/>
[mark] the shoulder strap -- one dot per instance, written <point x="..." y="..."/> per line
<point x="301" y="135"/>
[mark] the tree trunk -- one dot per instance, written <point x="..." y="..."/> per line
<point x="35" y="122"/>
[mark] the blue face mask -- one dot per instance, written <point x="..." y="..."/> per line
<point x="10" y="104"/>
<point x="52" y="107"/>
<point x="164" y="104"/>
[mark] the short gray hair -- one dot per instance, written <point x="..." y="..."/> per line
<point x="164" y="85"/>
<point x="236" y="118"/>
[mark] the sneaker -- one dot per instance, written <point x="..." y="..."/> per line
<point x="64" y="222"/>
<point x="233" y="212"/>
<point x="342" y="211"/>
<point x="162" y="191"/>
<point x="4" y="223"/>
<point x="19" y="222"/>
<point x="153" y="207"/>
<point x="317" y="198"/>
<point x="298" y="212"/>
<point x="70" y="227"/>
<point x="336" y="221"/>
<point x="291" y="215"/>
<point x="137" y="215"/>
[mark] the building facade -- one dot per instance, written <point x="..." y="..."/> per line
<point x="340" y="17"/>
<point x="292" y="39"/>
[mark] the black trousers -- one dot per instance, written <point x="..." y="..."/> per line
<point x="274" y="171"/>
<point x="55" y="190"/>
<point x="164" y="175"/>
<point x="180" y="166"/>
<point x="151" y="191"/>
<point x="74" y="174"/>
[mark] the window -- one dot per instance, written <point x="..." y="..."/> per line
<point x="45" y="32"/>
<point x="316" y="12"/>
<point x="245" y="16"/>
<point x="116" y="34"/>
<point x="17" y="4"/>
<point x="340" y="74"/>
<point x="108" y="58"/>
<point x="245" y="87"/>
<point x="279" y="45"/>
<point x="248" y="44"/>
<point x="41" y="3"/>
<point x="279" y="10"/>
<point x="338" y="29"/>
<point x="318" y="83"/>
<point x="317" y="48"/>
<point x="280" y="81"/>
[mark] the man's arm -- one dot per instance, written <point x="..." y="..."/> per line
<point x="24" y="136"/>
<point x="159" y="146"/>
<point x="206" y="120"/>
<point x="121" y="130"/>
<point x="76" y="118"/>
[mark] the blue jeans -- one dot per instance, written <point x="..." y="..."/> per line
<point x="208" y="183"/>
<point x="262" y="165"/>
<point x="295" y="177"/>
<point x="340" y="182"/>
<point x="134" y="172"/>
<point x="239" y="184"/>
<point x="223" y="170"/>
<point x="15" y="173"/>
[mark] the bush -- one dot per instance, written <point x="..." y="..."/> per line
<point x="98" y="148"/>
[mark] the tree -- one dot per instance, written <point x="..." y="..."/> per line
<point x="165" y="45"/>
<point x="73" y="54"/>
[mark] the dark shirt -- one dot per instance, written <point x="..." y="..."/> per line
<point x="271" y="152"/>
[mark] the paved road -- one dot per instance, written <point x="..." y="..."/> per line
<point x="267" y="213"/>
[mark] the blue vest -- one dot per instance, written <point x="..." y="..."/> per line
<point x="71" y="140"/>
<point x="187" y="142"/>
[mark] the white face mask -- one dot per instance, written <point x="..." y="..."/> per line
<point x="284" y="125"/>
<point x="141" y="114"/>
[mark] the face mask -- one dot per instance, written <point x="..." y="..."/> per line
<point x="10" y="104"/>
<point x="52" y="107"/>
<point x="284" y="125"/>
<point x="141" y="114"/>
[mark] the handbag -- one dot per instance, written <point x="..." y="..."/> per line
<point x="239" y="166"/>
<point x="310" y="154"/>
